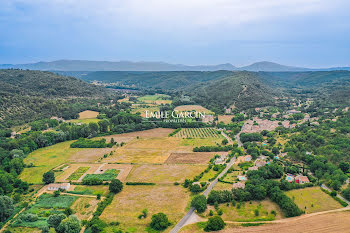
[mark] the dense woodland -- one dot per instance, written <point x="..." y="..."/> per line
<point x="32" y="95"/>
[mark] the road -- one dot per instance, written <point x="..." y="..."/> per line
<point x="191" y="212"/>
<point x="340" y="197"/>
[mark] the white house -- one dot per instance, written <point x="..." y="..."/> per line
<point x="58" y="186"/>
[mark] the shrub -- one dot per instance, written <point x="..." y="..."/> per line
<point x="29" y="217"/>
<point x="159" y="222"/>
<point x="49" y="177"/>
<point x="115" y="186"/>
<point x="214" y="224"/>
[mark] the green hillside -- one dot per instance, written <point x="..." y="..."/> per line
<point x="241" y="89"/>
<point x="29" y="95"/>
<point x="163" y="80"/>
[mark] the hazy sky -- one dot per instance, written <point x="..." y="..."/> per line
<point x="310" y="33"/>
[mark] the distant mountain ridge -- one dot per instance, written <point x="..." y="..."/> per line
<point x="84" y="65"/>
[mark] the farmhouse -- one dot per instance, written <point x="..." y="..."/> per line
<point x="254" y="168"/>
<point x="238" y="185"/>
<point x="301" y="179"/>
<point x="247" y="158"/>
<point x="55" y="187"/>
<point x="260" y="163"/>
<point x="221" y="159"/>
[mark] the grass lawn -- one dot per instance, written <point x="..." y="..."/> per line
<point x="78" y="173"/>
<point x="157" y="99"/>
<point x="313" y="200"/>
<point x="166" y="173"/>
<point x="246" y="213"/>
<point x="45" y="159"/>
<point x="90" y="190"/>
<point x="108" y="175"/>
<point x="206" y="176"/>
<point x="128" y="205"/>
<point x="223" y="186"/>
<point x="231" y="177"/>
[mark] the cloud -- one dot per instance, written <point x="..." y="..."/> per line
<point x="158" y="29"/>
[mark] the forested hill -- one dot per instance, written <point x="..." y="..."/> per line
<point x="163" y="80"/>
<point x="29" y="95"/>
<point x="43" y="83"/>
<point x="241" y="89"/>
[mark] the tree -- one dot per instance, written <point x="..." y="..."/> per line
<point x="195" y="188"/>
<point x="159" y="222"/>
<point x="115" y="186"/>
<point x="346" y="193"/>
<point x="214" y="224"/>
<point x="69" y="225"/>
<point x="6" y="207"/>
<point x="224" y="141"/>
<point x="344" y="166"/>
<point x="49" y="177"/>
<point x="199" y="203"/>
<point x="55" y="220"/>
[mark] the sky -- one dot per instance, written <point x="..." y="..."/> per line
<point x="305" y="33"/>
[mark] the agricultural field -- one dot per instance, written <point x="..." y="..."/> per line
<point x="142" y="109"/>
<point x="227" y="119"/>
<point x="47" y="158"/>
<point x="155" y="99"/>
<point x="84" y="207"/>
<point x="165" y="173"/>
<point x="88" y="114"/>
<point x="89" y="190"/>
<point x="78" y="173"/>
<point x="196" y="142"/>
<point x="45" y="205"/>
<point x="107" y="175"/>
<point x="324" y="223"/>
<point x="86" y="117"/>
<point x="313" y="200"/>
<point x="198" y="108"/>
<point x="198" y="133"/>
<point x="190" y="158"/>
<point x="246" y="212"/>
<point x="94" y="168"/>
<point x="147" y="150"/>
<point x="128" y="205"/>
